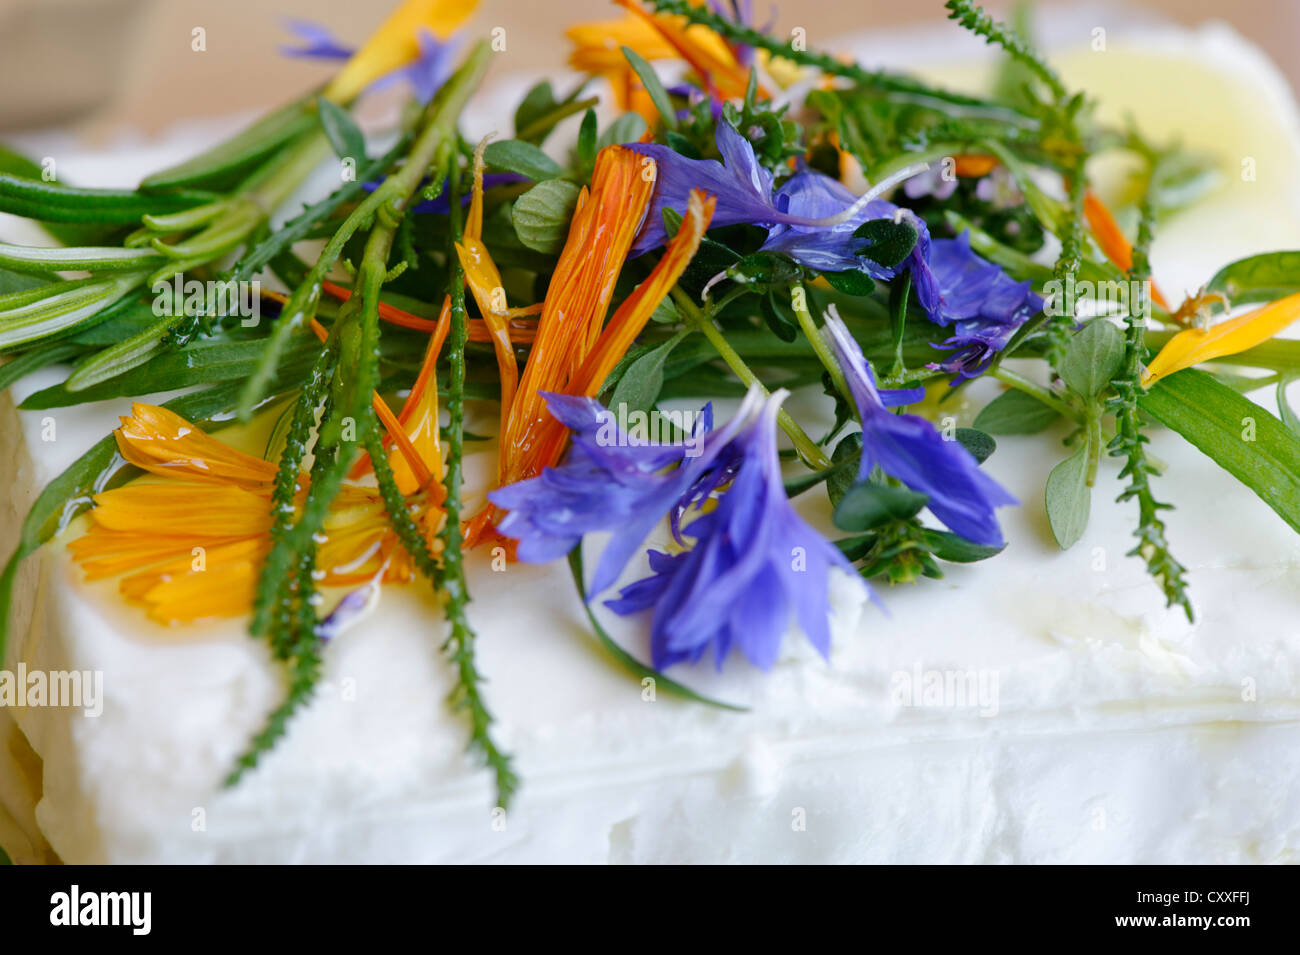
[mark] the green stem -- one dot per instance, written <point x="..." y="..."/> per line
<point x="812" y="455"/>
<point x="1045" y="395"/>
<point x="799" y="301"/>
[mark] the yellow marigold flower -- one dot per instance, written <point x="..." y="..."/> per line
<point x="396" y="43"/>
<point x="1195" y="345"/>
<point x="193" y="543"/>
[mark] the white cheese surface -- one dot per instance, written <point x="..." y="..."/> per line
<point x="1121" y="732"/>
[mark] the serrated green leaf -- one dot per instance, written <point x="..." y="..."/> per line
<point x="1068" y="498"/>
<point x="541" y="215"/>
<point x="515" y="155"/>
<point x="1015" y="412"/>
<point x="1093" y="357"/>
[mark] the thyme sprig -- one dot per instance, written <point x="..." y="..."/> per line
<point x="1129" y="441"/>
<point x="881" y="81"/>
<point x="452" y="588"/>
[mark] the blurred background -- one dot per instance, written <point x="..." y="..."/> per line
<point x="103" y="66"/>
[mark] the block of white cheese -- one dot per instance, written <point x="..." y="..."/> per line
<point x="1043" y="706"/>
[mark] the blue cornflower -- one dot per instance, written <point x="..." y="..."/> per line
<point x="755" y="565"/>
<point x="983" y="304"/>
<point x="908" y="447"/>
<point x="609" y="481"/>
<point x="812" y="218"/>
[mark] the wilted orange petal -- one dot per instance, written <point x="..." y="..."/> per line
<point x="164" y="443"/>
<point x="1111" y="239"/>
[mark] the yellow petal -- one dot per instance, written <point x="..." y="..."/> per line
<point x="396" y="43"/>
<point x="1195" y="345"/>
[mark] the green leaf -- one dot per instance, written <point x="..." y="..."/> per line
<point x="958" y="550"/>
<point x="225" y="164"/>
<point x="1069" y="498"/>
<point x="211" y="360"/>
<point x="979" y="444"/>
<point x="1284" y="410"/>
<point x="41" y="356"/>
<point x="541" y="215"/>
<point x="1259" y="278"/>
<point x="850" y="282"/>
<point x="59" y="309"/>
<point x="639" y="386"/>
<point x="1220" y="423"/>
<point x="42" y="261"/>
<point x="122" y="357"/>
<point x="625" y="659"/>
<point x="537" y="102"/>
<point x="342" y="131"/>
<point x="650" y="80"/>
<point x="868" y="504"/>
<point x="890" y="241"/>
<point x="628" y="128"/>
<point x="781" y="324"/>
<point x="1093" y="357"/>
<point x="515" y="155"/>
<point x="1015" y="412"/>
<point x="587" y="140"/>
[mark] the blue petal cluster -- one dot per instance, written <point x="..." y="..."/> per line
<point x="954" y="285"/>
<point x="909" y="448"/>
<point x="754" y="563"/>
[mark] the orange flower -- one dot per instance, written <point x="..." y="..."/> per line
<point x="574" y="350"/>
<point x="598" y="50"/>
<point x="192" y="545"/>
<point x="1111" y="239"/>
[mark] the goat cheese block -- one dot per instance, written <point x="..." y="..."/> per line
<point x="1043" y="706"/>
